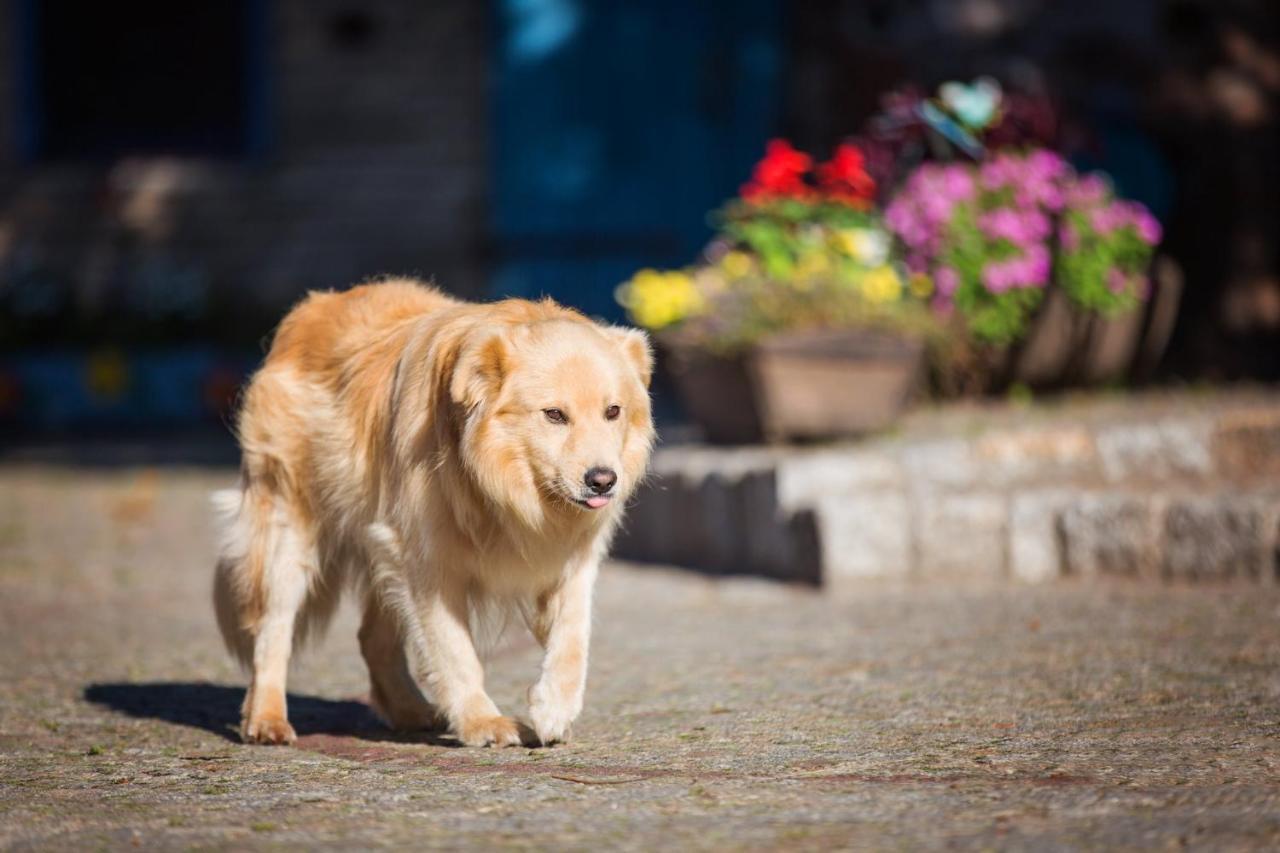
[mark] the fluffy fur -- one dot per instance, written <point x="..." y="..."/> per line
<point x="433" y="455"/>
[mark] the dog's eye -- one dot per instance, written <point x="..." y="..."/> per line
<point x="612" y="412"/>
<point x="555" y="416"/>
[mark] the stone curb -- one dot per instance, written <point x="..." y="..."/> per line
<point x="1193" y="496"/>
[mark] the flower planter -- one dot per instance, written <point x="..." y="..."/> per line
<point x="799" y="386"/>
<point x="1065" y="346"/>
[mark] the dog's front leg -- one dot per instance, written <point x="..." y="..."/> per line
<point x="455" y="677"/>
<point x="563" y="625"/>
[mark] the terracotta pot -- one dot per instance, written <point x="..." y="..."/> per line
<point x="810" y="385"/>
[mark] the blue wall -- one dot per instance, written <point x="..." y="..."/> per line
<point x="618" y="125"/>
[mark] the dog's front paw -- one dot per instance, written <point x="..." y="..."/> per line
<point x="264" y="729"/>
<point x="489" y="731"/>
<point x="551" y="714"/>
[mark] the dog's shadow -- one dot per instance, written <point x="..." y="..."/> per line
<point x="216" y="708"/>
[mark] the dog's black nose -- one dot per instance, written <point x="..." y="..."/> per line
<point x="601" y="480"/>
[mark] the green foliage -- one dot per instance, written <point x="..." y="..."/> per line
<point x="1100" y="274"/>
<point x="783" y="231"/>
<point x="998" y="319"/>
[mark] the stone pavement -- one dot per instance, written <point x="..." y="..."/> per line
<point x="721" y="714"/>
<point x="1164" y="485"/>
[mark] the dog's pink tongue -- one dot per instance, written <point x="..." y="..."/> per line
<point x="597" y="501"/>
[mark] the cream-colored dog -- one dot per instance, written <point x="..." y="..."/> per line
<point x="444" y="459"/>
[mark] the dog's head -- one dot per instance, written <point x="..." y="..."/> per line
<point x="556" y="415"/>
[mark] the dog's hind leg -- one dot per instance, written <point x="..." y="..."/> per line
<point x="263" y="581"/>
<point x="264" y="718"/>
<point x="393" y="691"/>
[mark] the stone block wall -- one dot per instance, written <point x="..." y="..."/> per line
<point x="1181" y="493"/>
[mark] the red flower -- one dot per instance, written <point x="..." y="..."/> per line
<point x="844" y="177"/>
<point x="780" y="174"/>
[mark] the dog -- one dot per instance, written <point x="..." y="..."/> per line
<point x="444" y="460"/>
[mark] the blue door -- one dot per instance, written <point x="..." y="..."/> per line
<point x="619" y="124"/>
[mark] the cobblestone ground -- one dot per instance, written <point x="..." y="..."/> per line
<point x="720" y="714"/>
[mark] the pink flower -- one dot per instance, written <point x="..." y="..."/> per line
<point x="1017" y="226"/>
<point x="997" y="276"/>
<point x="947" y="281"/>
<point x="1107" y="219"/>
<point x="1117" y="282"/>
<point x="994" y="173"/>
<point x="1036" y="267"/>
<point x="1069" y="237"/>
<point x="1053" y="198"/>
<point x="1046" y="165"/>
<point x="1089" y="190"/>
<point x="1147" y="225"/>
<point x="957" y="183"/>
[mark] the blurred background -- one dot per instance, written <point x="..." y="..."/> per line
<point x="174" y="176"/>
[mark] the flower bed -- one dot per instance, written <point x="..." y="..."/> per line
<point x="800" y="289"/>
<point x="1001" y="263"/>
<point x="994" y="236"/>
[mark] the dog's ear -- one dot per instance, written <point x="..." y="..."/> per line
<point x="483" y="362"/>
<point x="635" y="345"/>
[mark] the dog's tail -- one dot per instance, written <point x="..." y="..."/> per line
<point x="247" y="539"/>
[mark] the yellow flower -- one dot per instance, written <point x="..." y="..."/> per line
<point x="866" y="246"/>
<point x="882" y="285"/>
<point x="921" y="286"/>
<point x="736" y="264"/>
<point x="812" y="265"/>
<point x="657" y="299"/>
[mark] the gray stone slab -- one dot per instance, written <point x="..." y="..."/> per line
<point x="1218" y="536"/>
<point x="1049" y="453"/>
<point x="1035" y="542"/>
<point x="1114" y="534"/>
<point x="1246" y="445"/>
<point x="808" y="477"/>
<point x="961" y="535"/>
<point x="866" y="535"/>
<point x="942" y="463"/>
<point x="1162" y="450"/>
